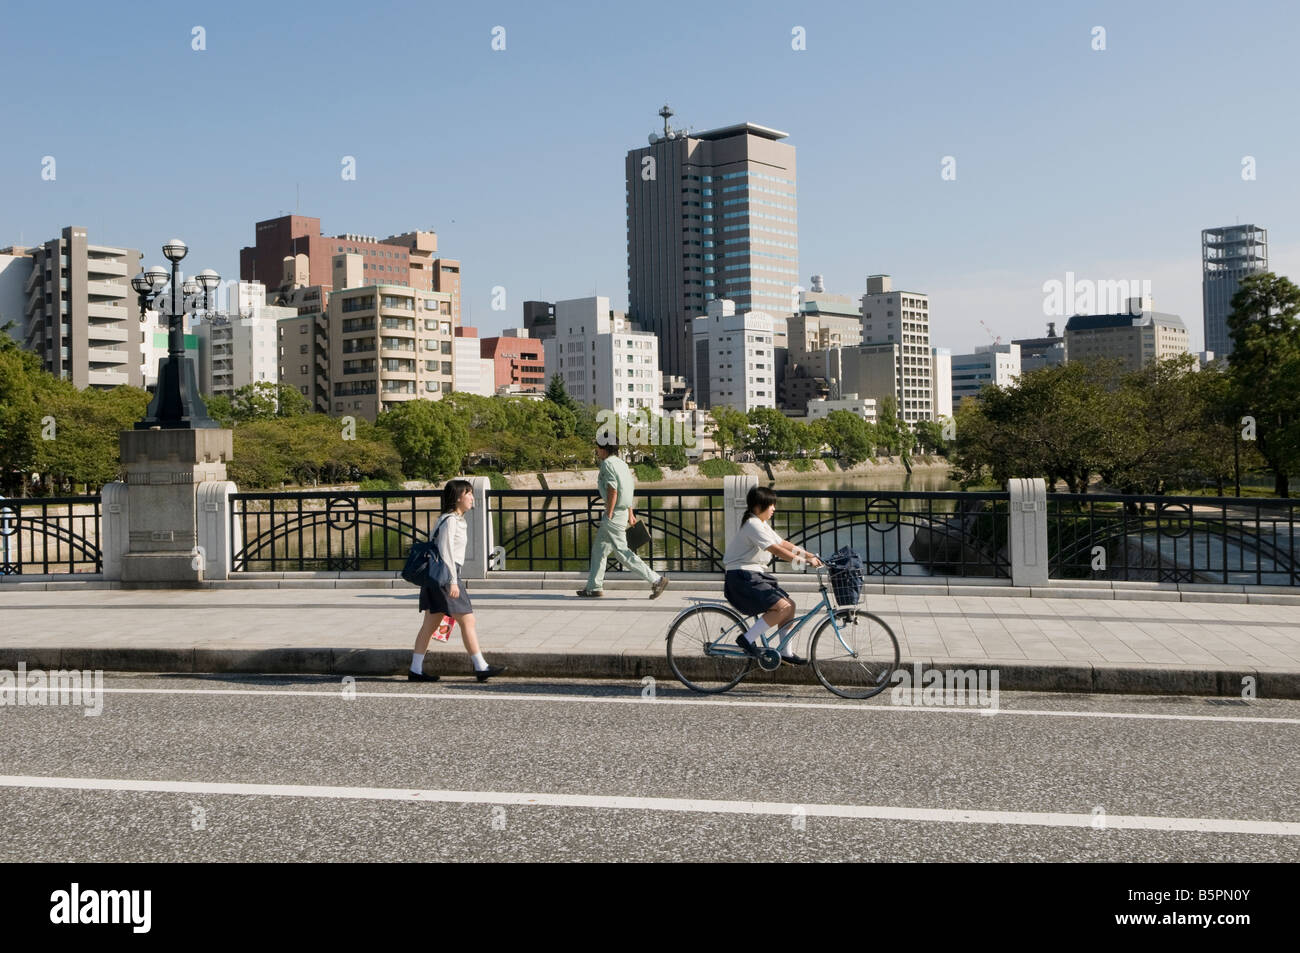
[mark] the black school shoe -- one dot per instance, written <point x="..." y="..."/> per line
<point x="752" y="649"/>
<point x="793" y="660"/>
<point x="488" y="672"/>
<point x="420" y="677"/>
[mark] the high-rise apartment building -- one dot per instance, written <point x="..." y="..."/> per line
<point x="383" y="344"/>
<point x="1228" y="254"/>
<point x="291" y="252"/>
<point x="890" y="316"/>
<point x="80" y="314"/>
<point x="709" y="215"/>
<point x="604" y="359"/>
<point x="734" y="358"/>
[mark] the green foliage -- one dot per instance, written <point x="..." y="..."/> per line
<point x="929" y="437"/>
<point x="771" y="434"/>
<point x="850" y="437"/>
<point x="717" y="468"/>
<point x="647" y="473"/>
<point x="311" y="449"/>
<point x="20" y="414"/>
<point x="558" y="395"/>
<point x="800" y="465"/>
<point x="729" y="429"/>
<point x="1265" y="369"/>
<point x="431" y="437"/>
<point x="377" y="484"/>
<point x="893" y="436"/>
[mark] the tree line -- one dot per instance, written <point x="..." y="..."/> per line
<point x="1169" y="426"/>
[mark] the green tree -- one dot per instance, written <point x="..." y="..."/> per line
<point x="729" y="429"/>
<point x="1265" y="368"/>
<point x="557" y="394"/>
<point x="851" y="438"/>
<point x="1059" y="423"/>
<point x="20" y="415"/>
<point x="431" y="438"/>
<point x="264" y="400"/>
<point x="770" y="435"/>
<point x="930" y="438"/>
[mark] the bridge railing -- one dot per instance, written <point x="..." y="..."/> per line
<point x="1180" y="539"/>
<point x="50" y="535"/>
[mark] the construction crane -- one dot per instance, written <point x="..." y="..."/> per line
<point x="997" y="339"/>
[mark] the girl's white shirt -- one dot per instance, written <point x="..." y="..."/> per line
<point x="452" y="541"/>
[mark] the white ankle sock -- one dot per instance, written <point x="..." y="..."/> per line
<point x="781" y="633"/>
<point x="755" y="630"/>
<point x="417" y="663"/>
<point x="479" y="663"/>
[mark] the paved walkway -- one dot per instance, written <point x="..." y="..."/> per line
<point x="1037" y="643"/>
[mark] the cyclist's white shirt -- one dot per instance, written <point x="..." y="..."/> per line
<point x="748" y="548"/>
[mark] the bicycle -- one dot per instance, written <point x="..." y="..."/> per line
<point x="853" y="652"/>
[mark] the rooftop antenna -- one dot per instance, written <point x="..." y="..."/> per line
<point x="667" y="114"/>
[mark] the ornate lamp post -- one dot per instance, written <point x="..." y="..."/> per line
<point x="176" y="404"/>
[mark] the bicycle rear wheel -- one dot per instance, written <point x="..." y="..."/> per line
<point x="859" y="659"/>
<point x="702" y="649"/>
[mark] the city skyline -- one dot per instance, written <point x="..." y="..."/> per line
<point x="521" y="170"/>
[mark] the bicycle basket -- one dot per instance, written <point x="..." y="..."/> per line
<point x="846" y="577"/>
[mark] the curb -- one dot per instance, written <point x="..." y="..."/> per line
<point x="1016" y="676"/>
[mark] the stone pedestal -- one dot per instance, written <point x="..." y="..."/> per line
<point x="163" y="471"/>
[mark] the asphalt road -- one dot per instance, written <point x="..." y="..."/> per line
<point x="597" y="771"/>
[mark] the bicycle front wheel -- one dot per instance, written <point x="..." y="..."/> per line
<point x="702" y="649"/>
<point x="855" y="654"/>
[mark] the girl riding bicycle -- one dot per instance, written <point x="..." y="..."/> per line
<point x="749" y="587"/>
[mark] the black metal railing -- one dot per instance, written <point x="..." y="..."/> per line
<point x="50" y="535"/>
<point x="554" y="530"/>
<point x="902" y="533"/>
<point x="345" y="530"/>
<point x="1186" y="539"/>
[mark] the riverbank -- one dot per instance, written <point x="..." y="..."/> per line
<point x="782" y="472"/>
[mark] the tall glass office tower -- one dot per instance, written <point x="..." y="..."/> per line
<point x="709" y="215"/>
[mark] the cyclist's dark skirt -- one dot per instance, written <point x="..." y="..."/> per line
<point x="753" y="593"/>
<point x="436" y="599"/>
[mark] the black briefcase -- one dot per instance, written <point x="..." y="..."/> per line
<point x="638" y="536"/>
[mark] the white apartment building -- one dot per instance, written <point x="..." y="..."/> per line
<point x="239" y="346"/>
<point x="603" y="358"/>
<point x="733" y="358"/>
<point x="990" y="364"/>
<point x="941" y="371"/>
<point x="897" y="317"/>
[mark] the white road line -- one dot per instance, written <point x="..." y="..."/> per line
<point x="1212" y="825"/>
<point x="639" y="700"/>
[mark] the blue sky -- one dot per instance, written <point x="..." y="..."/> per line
<point x="1104" y="163"/>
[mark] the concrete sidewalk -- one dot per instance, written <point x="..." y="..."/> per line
<point x="1038" y="644"/>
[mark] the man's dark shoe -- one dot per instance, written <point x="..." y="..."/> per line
<point x="488" y="672"/>
<point x="420" y="677"/>
<point x="793" y="660"/>
<point x="659" y="587"/>
<point x="591" y="593"/>
<point x="752" y="649"/>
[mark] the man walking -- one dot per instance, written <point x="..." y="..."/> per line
<point x="615" y="486"/>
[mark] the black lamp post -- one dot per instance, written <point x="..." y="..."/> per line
<point x="176" y="404"/>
